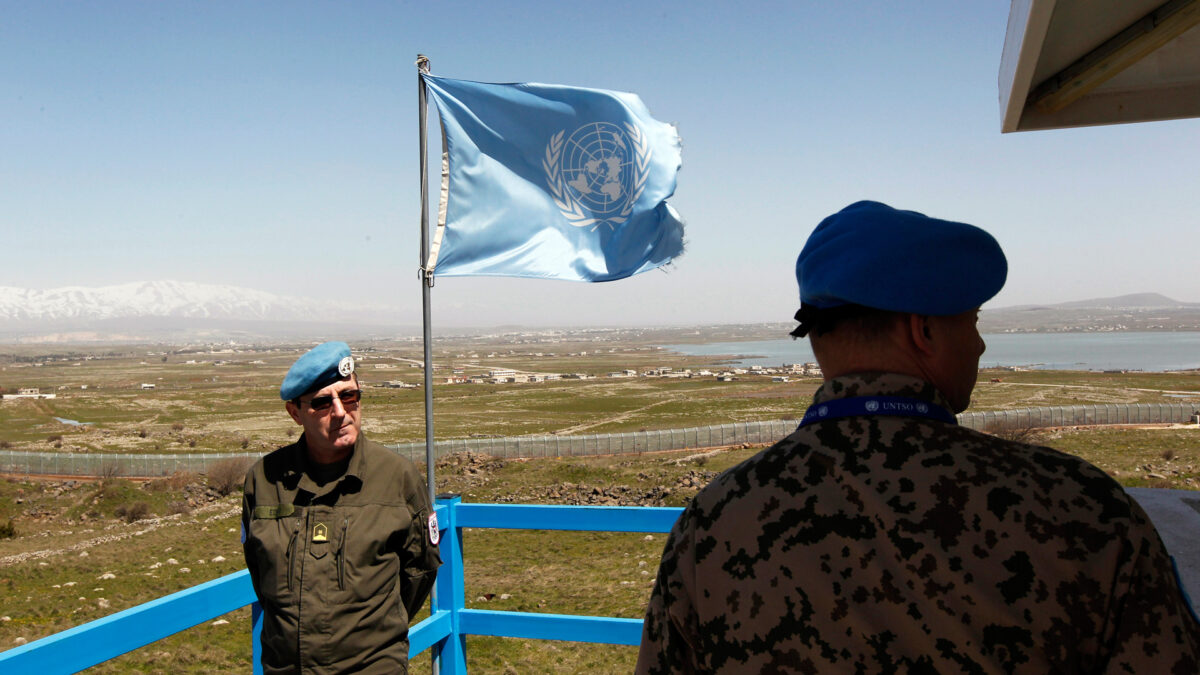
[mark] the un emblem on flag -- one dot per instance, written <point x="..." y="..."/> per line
<point x="597" y="174"/>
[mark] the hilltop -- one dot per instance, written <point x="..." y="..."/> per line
<point x="1135" y="312"/>
<point x="169" y="311"/>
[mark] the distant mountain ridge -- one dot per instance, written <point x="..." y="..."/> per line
<point x="187" y="312"/>
<point x="1134" y="312"/>
<point x="1131" y="301"/>
<point x="183" y="312"/>
<point x="178" y="299"/>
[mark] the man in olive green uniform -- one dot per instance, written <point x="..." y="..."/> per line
<point x="339" y="535"/>
<point x="882" y="537"/>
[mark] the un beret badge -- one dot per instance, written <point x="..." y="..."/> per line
<point x="346" y="366"/>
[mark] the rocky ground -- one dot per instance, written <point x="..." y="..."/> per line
<point x="668" y="479"/>
<point x="57" y="517"/>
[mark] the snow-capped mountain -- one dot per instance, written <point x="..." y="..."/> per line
<point x="157" y="299"/>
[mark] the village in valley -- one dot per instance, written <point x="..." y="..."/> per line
<point x="460" y="374"/>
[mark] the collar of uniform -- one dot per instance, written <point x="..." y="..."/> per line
<point x="354" y="471"/>
<point x="880" y="384"/>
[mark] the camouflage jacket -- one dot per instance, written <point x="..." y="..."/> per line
<point x="871" y="544"/>
<point x="339" y="568"/>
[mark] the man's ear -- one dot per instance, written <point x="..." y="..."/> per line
<point x="920" y="333"/>
<point x="294" y="411"/>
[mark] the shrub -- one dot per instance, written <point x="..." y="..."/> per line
<point x="1168" y="454"/>
<point x="227" y="475"/>
<point x="142" y="433"/>
<point x="179" y="508"/>
<point x="191" y="442"/>
<point x="182" y="479"/>
<point x="134" y="512"/>
<point x="1014" y="431"/>
<point x="110" y="470"/>
<point x="177" y="426"/>
<point x="245" y="443"/>
<point x="5" y="445"/>
<point x="175" y="482"/>
<point x="54" y="438"/>
<point x="8" y="530"/>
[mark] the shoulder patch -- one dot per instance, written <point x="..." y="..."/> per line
<point x="434" y="534"/>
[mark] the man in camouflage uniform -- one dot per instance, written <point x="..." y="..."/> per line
<point x="338" y="533"/>
<point x="882" y="537"/>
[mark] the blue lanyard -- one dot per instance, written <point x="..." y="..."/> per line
<point x="896" y="406"/>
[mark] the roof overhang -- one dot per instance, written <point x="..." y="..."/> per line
<point x="1073" y="63"/>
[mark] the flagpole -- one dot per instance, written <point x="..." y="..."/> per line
<point x="426" y="276"/>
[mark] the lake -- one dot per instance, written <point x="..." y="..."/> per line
<point x="1048" y="351"/>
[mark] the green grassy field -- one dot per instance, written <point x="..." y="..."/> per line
<point x="47" y="583"/>
<point x="225" y="402"/>
<point x="53" y="587"/>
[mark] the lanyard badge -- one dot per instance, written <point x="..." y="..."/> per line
<point x="893" y="406"/>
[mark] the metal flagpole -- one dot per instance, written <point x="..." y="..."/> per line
<point x="426" y="276"/>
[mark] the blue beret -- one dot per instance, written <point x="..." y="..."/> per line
<point x="872" y="255"/>
<point x="322" y="365"/>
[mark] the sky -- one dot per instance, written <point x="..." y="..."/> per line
<point x="273" y="145"/>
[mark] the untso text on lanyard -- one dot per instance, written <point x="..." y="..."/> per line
<point x="895" y="406"/>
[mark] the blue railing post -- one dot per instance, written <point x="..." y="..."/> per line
<point x="256" y="620"/>
<point x="451" y="590"/>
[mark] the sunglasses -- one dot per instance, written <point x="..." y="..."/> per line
<point x="349" y="399"/>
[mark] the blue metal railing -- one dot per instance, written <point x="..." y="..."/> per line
<point x="448" y="625"/>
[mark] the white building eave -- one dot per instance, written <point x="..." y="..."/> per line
<point x="1069" y="63"/>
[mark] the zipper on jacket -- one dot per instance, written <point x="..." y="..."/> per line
<point x="341" y="555"/>
<point x="291" y="554"/>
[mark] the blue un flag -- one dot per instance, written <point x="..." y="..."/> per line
<point x="552" y="182"/>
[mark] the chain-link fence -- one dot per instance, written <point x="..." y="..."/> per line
<point x="111" y="464"/>
<point x="1072" y="415"/>
<point x="145" y="465"/>
<point x="608" y="444"/>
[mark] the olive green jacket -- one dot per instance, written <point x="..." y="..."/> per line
<point x="340" y="568"/>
